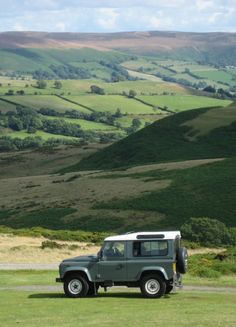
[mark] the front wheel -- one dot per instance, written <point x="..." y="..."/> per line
<point x="75" y="286"/>
<point x="153" y="286"/>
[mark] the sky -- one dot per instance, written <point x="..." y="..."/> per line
<point x="118" y="15"/>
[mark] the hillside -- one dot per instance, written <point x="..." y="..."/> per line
<point x="195" y="134"/>
<point x="203" y="46"/>
<point x="139" y="198"/>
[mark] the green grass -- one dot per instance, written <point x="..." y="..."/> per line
<point x="44" y="101"/>
<point x="85" y="124"/>
<point x="204" y="191"/>
<point x="146" y="87"/>
<point x="111" y="103"/>
<point x="216" y="76"/>
<point x="117" y="308"/>
<point x="169" y="139"/>
<point x="179" y="103"/>
<point x="5" y="107"/>
<point x="44" y="135"/>
<point x="9" y="278"/>
<point x="23" y="59"/>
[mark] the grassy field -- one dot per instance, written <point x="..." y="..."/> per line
<point x="86" y="124"/>
<point x="179" y="103"/>
<point x="44" y="101"/>
<point x="216" y="76"/>
<point x="111" y="103"/>
<point x="128" y="308"/>
<point x="44" y="135"/>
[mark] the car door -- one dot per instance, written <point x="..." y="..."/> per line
<point x="112" y="265"/>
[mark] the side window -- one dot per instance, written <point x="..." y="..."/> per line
<point x="114" y="249"/>
<point x="150" y="248"/>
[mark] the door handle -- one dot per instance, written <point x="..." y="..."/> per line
<point x="120" y="266"/>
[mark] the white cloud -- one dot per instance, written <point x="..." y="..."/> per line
<point x="204" y="4"/>
<point x="214" y="17"/>
<point x="107" y="18"/>
<point x="118" y="15"/>
<point x="60" y="27"/>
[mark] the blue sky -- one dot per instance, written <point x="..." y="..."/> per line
<point x="118" y="15"/>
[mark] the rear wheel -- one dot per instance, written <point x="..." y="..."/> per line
<point x="153" y="286"/>
<point x="75" y="286"/>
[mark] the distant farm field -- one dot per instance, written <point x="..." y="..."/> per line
<point x="86" y="124"/>
<point x="111" y="103"/>
<point x="44" y="101"/>
<point x="181" y="102"/>
<point x="44" y="135"/>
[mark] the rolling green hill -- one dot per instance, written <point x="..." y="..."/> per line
<point x="187" y="135"/>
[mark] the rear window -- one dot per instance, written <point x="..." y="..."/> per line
<point x="150" y="248"/>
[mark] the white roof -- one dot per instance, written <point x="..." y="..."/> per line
<point x="145" y="235"/>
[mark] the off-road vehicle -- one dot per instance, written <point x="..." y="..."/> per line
<point x="153" y="261"/>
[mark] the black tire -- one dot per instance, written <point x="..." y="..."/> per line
<point x="153" y="286"/>
<point x="182" y="260"/>
<point x="91" y="291"/>
<point x="169" y="288"/>
<point x="75" y="286"/>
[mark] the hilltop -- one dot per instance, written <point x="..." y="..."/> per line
<point x="195" y="134"/>
<point x="198" y="45"/>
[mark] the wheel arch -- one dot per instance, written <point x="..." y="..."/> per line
<point x="154" y="270"/>
<point x="82" y="272"/>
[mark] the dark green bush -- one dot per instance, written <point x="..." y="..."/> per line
<point x="207" y="232"/>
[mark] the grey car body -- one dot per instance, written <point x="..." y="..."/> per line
<point x="127" y="260"/>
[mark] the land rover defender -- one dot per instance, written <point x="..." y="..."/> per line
<point x="152" y="261"/>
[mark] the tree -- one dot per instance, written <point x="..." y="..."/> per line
<point x="10" y="92"/>
<point x="136" y="123"/>
<point x="118" y="113"/>
<point x="96" y="89"/>
<point x="209" y="89"/>
<point x="58" y="84"/>
<point x="206" y="231"/>
<point x="41" y="84"/>
<point x="132" y="94"/>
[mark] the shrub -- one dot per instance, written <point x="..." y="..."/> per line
<point x="51" y="245"/>
<point x="207" y="232"/>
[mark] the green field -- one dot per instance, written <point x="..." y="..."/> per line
<point x="117" y="308"/>
<point x="44" y="101"/>
<point x="86" y="124"/>
<point x="179" y="103"/>
<point x="111" y="103"/>
<point x="216" y="76"/>
<point x="5" y="107"/>
<point x="44" y="135"/>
